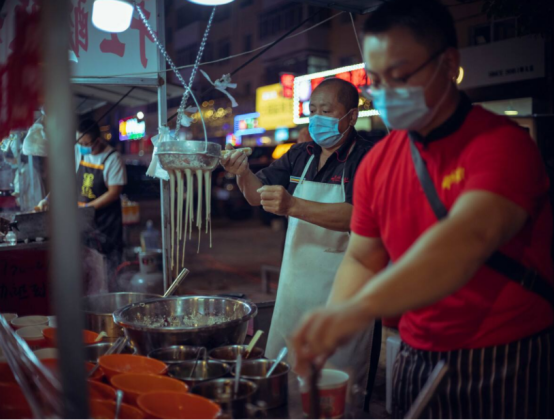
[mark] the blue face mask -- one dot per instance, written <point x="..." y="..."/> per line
<point x="85" y="150"/>
<point x="406" y="108"/>
<point x="325" y="130"/>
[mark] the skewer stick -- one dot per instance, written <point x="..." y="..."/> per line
<point x="172" y="202"/>
<point x="199" y="176"/>
<point x="207" y="187"/>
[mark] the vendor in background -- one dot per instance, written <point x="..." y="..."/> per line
<point x="448" y="188"/>
<point x="312" y="185"/>
<point x="101" y="176"/>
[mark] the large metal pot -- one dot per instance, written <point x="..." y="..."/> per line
<point x="206" y="321"/>
<point x="99" y="310"/>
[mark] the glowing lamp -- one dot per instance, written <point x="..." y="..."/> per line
<point x="112" y="15"/>
<point x="211" y="2"/>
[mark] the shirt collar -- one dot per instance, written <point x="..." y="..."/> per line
<point x="450" y="126"/>
<point x="342" y="152"/>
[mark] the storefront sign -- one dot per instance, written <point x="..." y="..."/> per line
<point x="282" y="134"/>
<point x="512" y="60"/>
<point x="247" y="124"/>
<point x="97" y="53"/>
<point x="131" y="129"/>
<point x="305" y="85"/>
<point x="287" y="81"/>
<point x="274" y="108"/>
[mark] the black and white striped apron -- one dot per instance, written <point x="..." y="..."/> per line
<point x="508" y="381"/>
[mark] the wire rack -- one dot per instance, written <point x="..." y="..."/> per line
<point x="40" y="387"/>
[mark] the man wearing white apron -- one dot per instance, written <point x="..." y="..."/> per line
<point x="312" y="184"/>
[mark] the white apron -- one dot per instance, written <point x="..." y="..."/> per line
<point x="311" y="259"/>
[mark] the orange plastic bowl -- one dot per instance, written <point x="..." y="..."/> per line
<point x="100" y="391"/>
<point x="89" y="337"/>
<point x="115" y="364"/>
<point x="101" y="409"/>
<point x="52" y="366"/>
<point x="136" y="384"/>
<point x="13" y="404"/>
<point x="6" y="374"/>
<point x="176" y="405"/>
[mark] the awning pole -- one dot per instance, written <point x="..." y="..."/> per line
<point x="162" y="120"/>
<point x="65" y="246"/>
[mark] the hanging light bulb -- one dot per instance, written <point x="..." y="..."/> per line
<point x="211" y="2"/>
<point x="112" y="15"/>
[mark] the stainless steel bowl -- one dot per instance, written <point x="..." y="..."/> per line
<point x="273" y="390"/>
<point x="176" y="354"/>
<point x="94" y="351"/>
<point x="205" y="371"/>
<point x="99" y="310"/>
<point x="188" y="154"/>
<point x="229" y="354"/>
<point x="221" y="391"/>
<point x="205" y="321"/>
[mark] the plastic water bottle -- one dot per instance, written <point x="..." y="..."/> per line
<point x="150" y="238"/>
<point x="11" y="238"/>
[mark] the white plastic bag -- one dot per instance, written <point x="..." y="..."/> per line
<point x="155" y="170"/>
<point x="35" y="143"/>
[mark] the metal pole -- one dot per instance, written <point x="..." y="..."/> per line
<point x="162" y="120"/>
<point x="65" y="245"/>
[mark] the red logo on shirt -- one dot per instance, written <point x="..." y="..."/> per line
<point x="338" y="178"/>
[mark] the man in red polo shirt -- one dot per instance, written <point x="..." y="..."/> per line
<point x="456" y="198"/>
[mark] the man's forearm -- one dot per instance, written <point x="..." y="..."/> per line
<point x="329" y="216"/>
<point x="442" y="261"/>
<point x="249" y="184"/>
<point x="104" y="200"/>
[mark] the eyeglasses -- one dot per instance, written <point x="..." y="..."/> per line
<point x="404" y="79"/>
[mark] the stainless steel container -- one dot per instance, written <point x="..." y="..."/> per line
<point x="205" y="371"/>
<point x="188" y="154"/>
<point x="229" y="354"/>
<point x="99" y="310"/>
<point x="221" y="391"/>
<point x="273" y="391"/>
<point x="176" y="354"/>
<point x="205" y="321"/>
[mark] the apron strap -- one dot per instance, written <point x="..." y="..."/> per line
<point x="510" y="268"/>
<point x="306" y="169"/>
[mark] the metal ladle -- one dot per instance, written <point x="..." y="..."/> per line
<point x="176" y="283"/>
<point x="282" y="354"/>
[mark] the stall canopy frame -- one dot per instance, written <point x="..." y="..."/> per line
<point x="352" y="6"/>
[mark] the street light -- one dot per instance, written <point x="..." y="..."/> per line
<point x="112" y="15"/>
<point x="211" y="2"/>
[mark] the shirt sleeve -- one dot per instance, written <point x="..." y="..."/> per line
<point x="363" y="221"/>
<point x="507" y="162"/>
<point x="278" y="173"/>
<point x="115" y="172"/>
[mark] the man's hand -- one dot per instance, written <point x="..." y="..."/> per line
<point x="276" y="199"/>
<point x="42" y="205"/>
<point x="236" y="162"/>
<point x="323" y="331"/>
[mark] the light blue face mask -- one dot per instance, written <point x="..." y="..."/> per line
<point x="405" y="108"/>
<point x="325" y="130"/>
<point x="85" y="150"/>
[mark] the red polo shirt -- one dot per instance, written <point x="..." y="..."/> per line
<point x="484" y="152"/>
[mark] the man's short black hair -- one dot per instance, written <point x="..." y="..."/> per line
<point x="348" y="93"/>
<point x="89" y="126"/>
<point x="429" y="20"/>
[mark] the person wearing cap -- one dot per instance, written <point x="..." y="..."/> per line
<point x="312" y="185"/>
<point x="457" y="198"/>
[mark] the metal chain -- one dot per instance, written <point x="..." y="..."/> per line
<point x="186" y="94"/>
